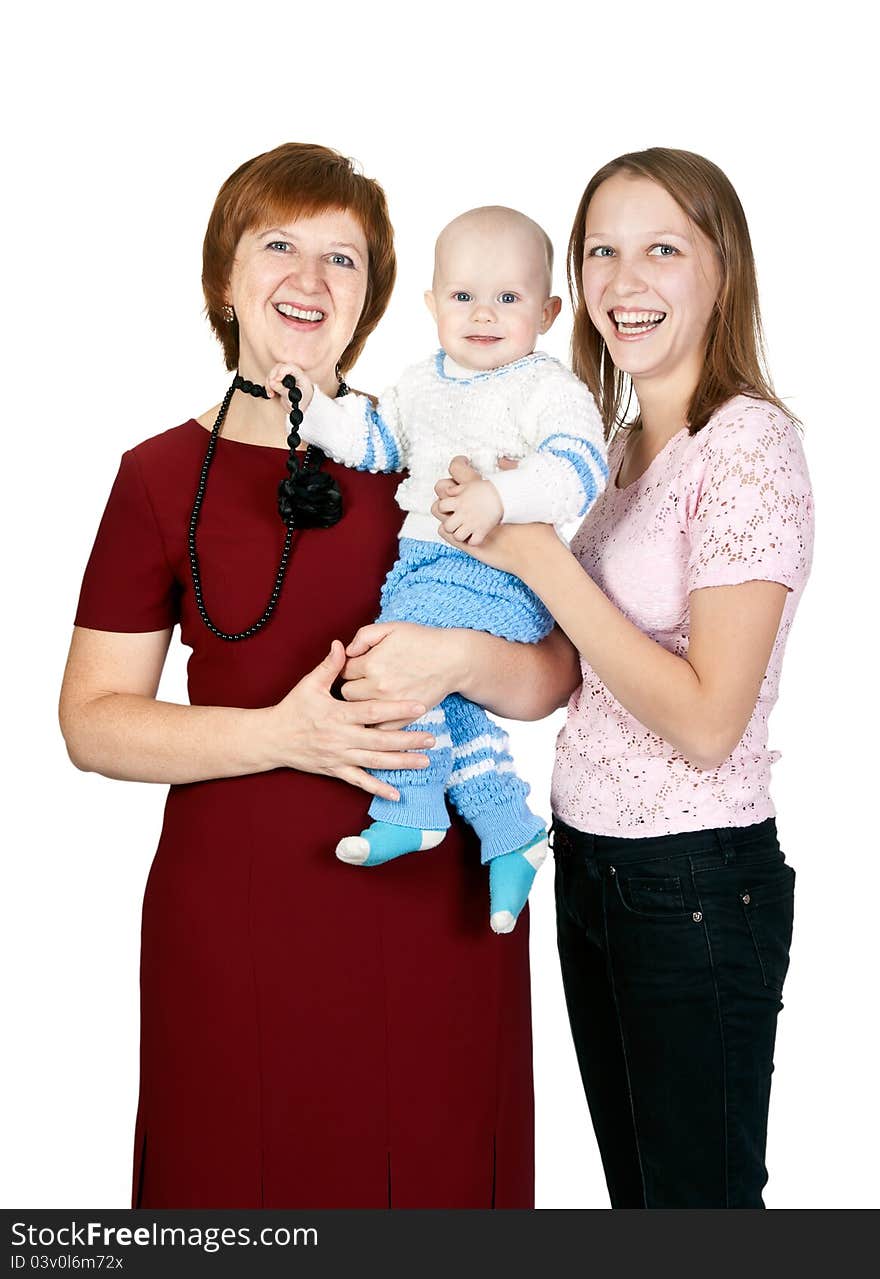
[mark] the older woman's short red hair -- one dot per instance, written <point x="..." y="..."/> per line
<point x="297" y="179"/>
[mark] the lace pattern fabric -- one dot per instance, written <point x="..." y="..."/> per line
<point x="730" y="504"/>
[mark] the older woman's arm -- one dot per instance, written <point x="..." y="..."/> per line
<point x="518" y="681"/>
<point x="113" y="724"/>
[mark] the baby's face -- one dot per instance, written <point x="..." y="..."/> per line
<point x="490" y="295"/>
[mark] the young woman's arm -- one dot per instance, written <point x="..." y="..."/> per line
<point x="701" y="704"/>
<point x="113" y="724"/>
<point x="518" y="681"/>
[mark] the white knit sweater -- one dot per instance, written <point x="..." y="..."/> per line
<point x="534" y="410"/>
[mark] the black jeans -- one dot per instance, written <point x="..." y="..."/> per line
<point x="674" y="950"/>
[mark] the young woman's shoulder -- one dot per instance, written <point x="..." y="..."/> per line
<point x="750" y="437"/>
<point x="747" y="496"/>
<point x="747" y="420"/>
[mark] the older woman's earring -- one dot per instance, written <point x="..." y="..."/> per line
<point x="343" y="386"/>
<point x="227" y="313"/>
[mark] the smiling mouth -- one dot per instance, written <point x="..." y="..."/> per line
<point x="634" y="323"/>
<point x="482" y="337"/>
<point x="290" y="312"/>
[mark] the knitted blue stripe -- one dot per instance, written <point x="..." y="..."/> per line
<point x="481" y="375"/>
<point x="595" y="454"/>
<point x="370" y="455"/>
<point x="392" y="456"/>
<point x="585" y="472"/>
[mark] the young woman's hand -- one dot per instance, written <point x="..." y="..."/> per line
<point x="313" y="731"/>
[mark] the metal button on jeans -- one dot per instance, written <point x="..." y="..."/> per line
<point x="697" y="916"/>
<point x="746" y="898"/>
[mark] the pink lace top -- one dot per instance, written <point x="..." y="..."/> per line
<point x="730" y="504"/>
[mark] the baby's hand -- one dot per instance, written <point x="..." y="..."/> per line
<point x="471" y="511"/>
<point x="274" y="385"/>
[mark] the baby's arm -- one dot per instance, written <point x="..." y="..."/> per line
<point x="557" y="482"/>
<point x="348" y="429"/>
<point x="566" y="472"/>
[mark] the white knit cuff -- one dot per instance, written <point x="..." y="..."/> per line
<point x="337" y="426"/>
<point x="524" y="501"/>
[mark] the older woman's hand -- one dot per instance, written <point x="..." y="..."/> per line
<point x="513" y="548"/>
<point x="313" y="731"/>
<point x="404" y="659"/>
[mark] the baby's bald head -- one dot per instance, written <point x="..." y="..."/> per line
<point x="491" y="292"/>
<point x="487" y="230"/>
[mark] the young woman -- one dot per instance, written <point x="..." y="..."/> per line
<point x="674" y="900"/>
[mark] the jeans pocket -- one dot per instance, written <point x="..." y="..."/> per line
<point x="652" y="896"/>
<point x="769" y="912"/>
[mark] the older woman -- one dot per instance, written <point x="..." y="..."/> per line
<point x="309" y="1038"/>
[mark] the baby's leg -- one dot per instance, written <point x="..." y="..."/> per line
<point x="491" y="797"/>
<point x="419" y="819"/>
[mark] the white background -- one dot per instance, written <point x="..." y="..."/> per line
<point x="121" y="125"/>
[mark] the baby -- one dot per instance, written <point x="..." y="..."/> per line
<point x="486" y="394"/>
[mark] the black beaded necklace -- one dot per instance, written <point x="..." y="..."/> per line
<point x="308" y="498"/>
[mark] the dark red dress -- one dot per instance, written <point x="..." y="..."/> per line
<point x="313" y="1035"/>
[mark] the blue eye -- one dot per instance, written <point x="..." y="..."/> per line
<point x="341" y="259"/>
<point x="507" y="297"/>
<point x="671" y="250"/>
<point x="461" y="296"/>
<point x="282" y="245"/>
<point x="600" y="251"/>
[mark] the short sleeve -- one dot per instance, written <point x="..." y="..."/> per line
<point x="749" y="502"/>
<point x="128" y="584"/>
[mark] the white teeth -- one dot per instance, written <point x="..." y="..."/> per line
<point x="638" y="317"/>
<point x="295" y="313"/>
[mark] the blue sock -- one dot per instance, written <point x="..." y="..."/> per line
<point x="383" y="842"/>
<point x="510" y="879"/>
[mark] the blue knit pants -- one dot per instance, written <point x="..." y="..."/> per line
<point x="438" y="585"/>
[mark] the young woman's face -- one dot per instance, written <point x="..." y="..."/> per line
<point x="650" y="280"/>
<point x="298" y="290"/>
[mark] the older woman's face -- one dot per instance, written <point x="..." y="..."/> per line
<point x="298" y="290"/>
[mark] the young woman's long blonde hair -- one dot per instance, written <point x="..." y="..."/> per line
<point x="735" y="361"/>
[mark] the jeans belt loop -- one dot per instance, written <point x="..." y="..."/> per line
<point x="725" y="842"/>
